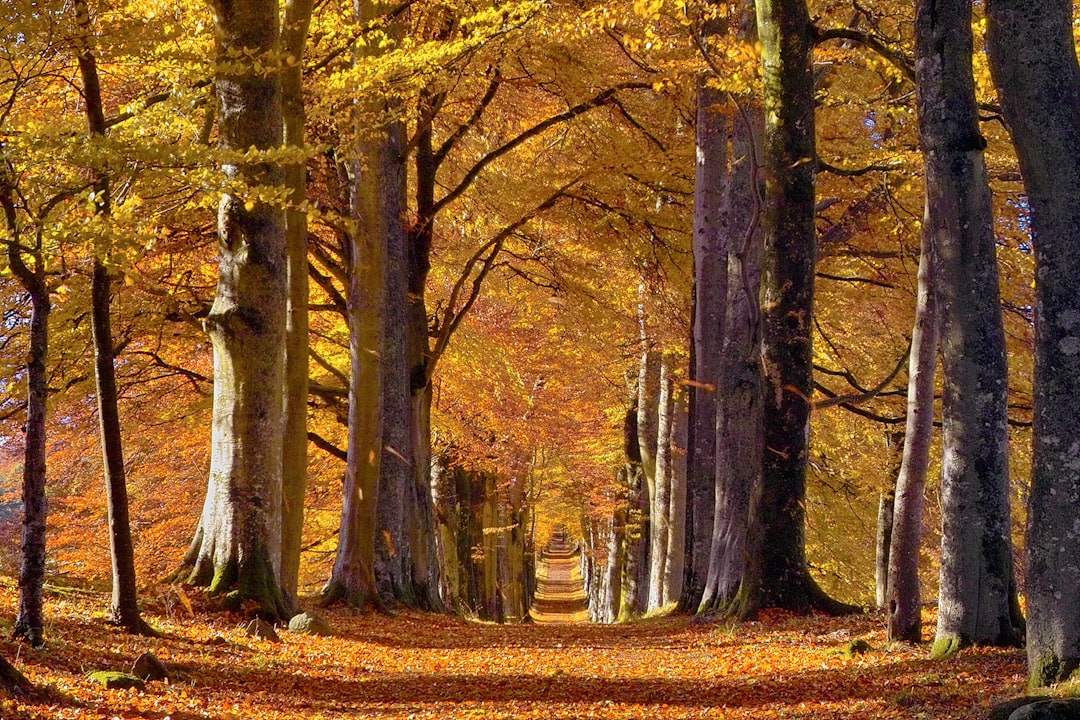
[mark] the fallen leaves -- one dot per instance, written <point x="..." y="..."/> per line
<point x="435" y="666"/>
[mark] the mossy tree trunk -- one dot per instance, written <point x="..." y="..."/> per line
<point x="777" y="574"/>
<point x="1033" y="60"/>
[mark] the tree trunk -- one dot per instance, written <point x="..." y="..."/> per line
<point x="29" y="620"/>
<point x="777" y="574"/>
<point x="659" y="529"/>
<point x="903" y="601"/>
<point x="739" y="416"/>
<point x="614" y="568"/>
<point x="676" y="550"/>
<point x="238" y="542"/>
<point x="124" y="606"/>
<point x="1033" y="61"/>
<point x="709" y="301"/>
<point x="375" y="187"/>
<point x="975" y="599"/>
<point x="636" y="536"/>
<point x="894" y="446"/>
<point x="294" y="465"/>
<point x="393" y="557"/>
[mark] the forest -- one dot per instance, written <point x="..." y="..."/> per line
<point x="732" y="348"/>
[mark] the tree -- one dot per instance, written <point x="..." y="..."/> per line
<point x="294" y="467"/>
<point x="1034" y="65"/>
<point x="237" y="546"/>
<point x="976" y="600"/>
<point x="777" y="574"/>
<point x="902" y="596"/>
<point x="125" y="608"/>
<point x="29" y="622"/>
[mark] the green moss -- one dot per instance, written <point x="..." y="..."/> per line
<point x="856" y="647"/>
<point x="115" y="680"/>
<point x="946" y="646"/>
<point x="1043" y="671"/>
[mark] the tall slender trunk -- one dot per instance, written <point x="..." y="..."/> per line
<point x="977" y="590"/>
<point x="636" y="536"/>
<point x="237" y="546"/>
<point x="393" y="556"/>
<point x="29" y="620"/>
<point x="609" y="613"/>
<point x="903" y="600"/>
<point x="124" y="605"/>
<point x="710" y="298"/>
<point x="894" y="447"/>
<point x="294" y="464"/>
<point x="661" y="506"/>
<point x="1033" y="60"/>
<point x="676" y="550"/>
<point x="739" y="417"/>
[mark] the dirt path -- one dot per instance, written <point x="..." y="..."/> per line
<point x="560" y="589"/>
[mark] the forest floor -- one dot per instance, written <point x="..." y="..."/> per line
<point x="412" y="665"/>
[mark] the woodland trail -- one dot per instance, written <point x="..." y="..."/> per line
<point x="560" y="588"/>
<point x="412" y="665"/>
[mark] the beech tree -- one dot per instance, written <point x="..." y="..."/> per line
<point x="976" y="601"/>
<point x="777" y="574"/>
<point x="125" y="608"/>
<point x="1034" y="65"/>
<point x="237" y="546"/>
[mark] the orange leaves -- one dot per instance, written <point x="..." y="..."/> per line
<point x="416" y="666"/>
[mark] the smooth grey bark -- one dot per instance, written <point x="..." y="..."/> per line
<point x="29" y="618"/>
<point x="648" y="409"/>
<point x="903" y="597"/>
<point x="976" y="589"/>
<point x="739" y="427"/>
<point x="237" y="546"/>
<point x="294" y="466"/>
<point x="393" y="556"/>
<point x="124" y="606"/>
<point x="609" y="613"/>
<point x="709" y="300"/>
<point x="659" y="529"/>
<point x="894" y="447"/>
<point x="1033" y="61"/>
<point x="676" y="550"/>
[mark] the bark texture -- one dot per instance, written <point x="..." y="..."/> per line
<point x="393" y="557"/>
<point x="659" y="529"/>
<point x="29" y="620"/>
<point x="124" y="605"/>
<point x="976" y="592"/>
<point x="739" y="417"/>
<point x="903" y="599"/>
<point x="710" y="296"/>
<point x="777" y="574"/>
<point x="294" y="465"/>
<point x="237" y="546"/>
<point x="1033" y="61"/>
